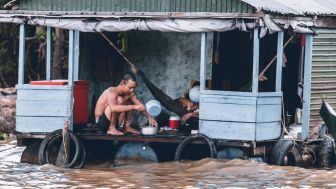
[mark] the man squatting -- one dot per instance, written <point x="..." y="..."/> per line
<point x="115" y="107"/>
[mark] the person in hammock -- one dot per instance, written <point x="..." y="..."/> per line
<point x="192" y="115"/>
<point x="115" y="107"/>
<point x="190" y="106"/>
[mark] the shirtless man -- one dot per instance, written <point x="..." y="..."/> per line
<point x="116" y="104"/>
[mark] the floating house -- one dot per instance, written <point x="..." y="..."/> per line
<point x="246" y="100"/>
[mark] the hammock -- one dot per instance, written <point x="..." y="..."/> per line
<point x="163" y="98"/>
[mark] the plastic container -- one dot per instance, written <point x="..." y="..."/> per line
<point x="149" y="130"/>
<point x="174" y="122"/>
<point x="194" y="94"/>
<point x="153" y="107"/>
<point x="81" y="100"/>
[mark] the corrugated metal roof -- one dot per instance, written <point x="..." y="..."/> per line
<point x="296" y="7"/>
<point x="225" y="6"/>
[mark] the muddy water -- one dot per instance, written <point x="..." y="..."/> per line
<point x="206" y="173"/>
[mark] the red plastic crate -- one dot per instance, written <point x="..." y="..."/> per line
<point x="81" y="102"/>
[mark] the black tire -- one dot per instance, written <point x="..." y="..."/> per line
<point x="58" y="136"/>
<point x="326" y="152"/>
<point x="43" y="145"/>
<point x="51" y="139"/>
<point x="81" y="161"/>
<point x="286" y="152"/>
<point x="191" y="138"/>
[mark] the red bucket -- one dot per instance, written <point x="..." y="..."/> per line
<point x="174" y="122"/>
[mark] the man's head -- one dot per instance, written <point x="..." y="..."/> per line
<point x="127" y="83"/>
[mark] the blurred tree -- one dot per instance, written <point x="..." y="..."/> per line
<point x="58" y="53"/>
<point x="35" y="53"/>
<point x="8" y="53"/>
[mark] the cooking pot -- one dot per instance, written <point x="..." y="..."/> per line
<point x="149" y="130"/>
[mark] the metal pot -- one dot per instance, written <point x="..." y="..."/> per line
<point x="149" y="130"/>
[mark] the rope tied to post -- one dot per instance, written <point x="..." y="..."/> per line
<point x="65" y="138"/>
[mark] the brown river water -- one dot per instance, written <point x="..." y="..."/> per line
<point x="206" y="173"/>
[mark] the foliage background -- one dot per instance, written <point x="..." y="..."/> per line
<point x="8" y="52"/>
<point x="35" y="53"/>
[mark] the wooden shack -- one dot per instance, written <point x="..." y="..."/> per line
<point x="229" y="115"/>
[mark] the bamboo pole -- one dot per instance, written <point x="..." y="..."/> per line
<point x="261" y="75"/>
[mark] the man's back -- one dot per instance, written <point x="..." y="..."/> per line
<point x="103" y="101"/>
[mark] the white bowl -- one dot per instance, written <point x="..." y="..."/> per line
<point x="149" y="130"/>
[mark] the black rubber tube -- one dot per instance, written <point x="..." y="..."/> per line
<point x="58" y="136"/>
<point x="326" y="152"/>
<point x="284" y="148"/>
<point x="53" y="137"/>
<point x="191" y="138"/>
<point x="81" y="161"/>
<point x="43" y="145"/>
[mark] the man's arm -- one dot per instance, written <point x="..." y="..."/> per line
<point x="112" y="102"/>
<point x="134" y="99"/>
<point x="190" y="115"/>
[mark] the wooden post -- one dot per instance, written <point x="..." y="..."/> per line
<point x="76" y="55"/>
<point x="71" y="78"/>
<point x="279" y="62"/>
<point x="48" y="59"/>
<point x="307" y="85"/>
<point x="255" y="80"/>
<point x="21" y="55"/>
<point x="203" y="61"/>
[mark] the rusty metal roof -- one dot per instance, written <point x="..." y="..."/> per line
<point x="296" y="7"/>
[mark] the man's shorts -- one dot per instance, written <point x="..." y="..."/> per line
<point x="103" y="123"/>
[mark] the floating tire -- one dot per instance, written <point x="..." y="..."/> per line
<point x="58" y="138"/>
<point x="81" y="162"/>
<point x="191" y="138"/>
<point x="51" y="139"/>
<point x="286" y="152"/>
<point x="326" y="152"/>
<point x="43" y="145"/>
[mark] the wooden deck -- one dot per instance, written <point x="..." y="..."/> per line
<point x="172" y="136"/>
<point x="164" y="136"/>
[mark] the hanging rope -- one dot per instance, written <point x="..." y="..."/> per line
<point x="134" y="68"/>
<point x="65" y="134"/>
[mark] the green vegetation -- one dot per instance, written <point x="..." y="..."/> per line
<point x="8" y="53"/>
<point x="2" y="136"/>
<point x="35" y="53"/>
